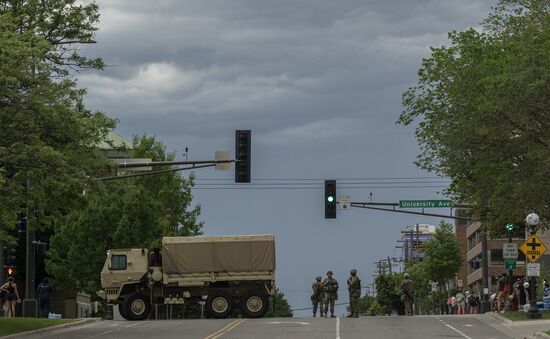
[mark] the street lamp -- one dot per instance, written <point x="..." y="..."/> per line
<point x="532" y="220"/>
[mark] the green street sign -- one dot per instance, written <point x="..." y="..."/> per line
<point x="510" y="264"/>
<point x="425" y="203"/>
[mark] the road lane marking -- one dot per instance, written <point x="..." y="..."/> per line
<point x="134" y="324"/>
<point x="338" y="328"/>
<point x="225" y="329"/>
<point x="457" y="331"/>
<point x="287" y="322"/>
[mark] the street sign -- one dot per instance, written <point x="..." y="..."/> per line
<point x="509" y="250"/>
<point x="425" y="203"/>
<point x="345" y="202"/>
<point x="533" y="269"/>
<point x="533" y="248"/>
<point x="510" y="264"/>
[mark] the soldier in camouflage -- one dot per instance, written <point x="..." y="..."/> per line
<point x="330" y="288"/>
<point x="407" y="290"/>
<point x="354" y="289"/>
<point x="317" y="296"/>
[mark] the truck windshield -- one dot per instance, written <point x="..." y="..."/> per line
<point x="118" y="262"/>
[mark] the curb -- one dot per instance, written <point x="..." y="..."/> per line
<point x="495" y="316"/>
<point x="540" y="335"/>
<point x="80" y="322"/>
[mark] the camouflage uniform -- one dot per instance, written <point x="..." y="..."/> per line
<point x="330" y="287"/>
<point x="407" y="289"/>
<point x="317" y="296"/>
<point x="354" y="289"/>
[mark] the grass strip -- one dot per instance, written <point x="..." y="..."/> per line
<point x="17" y="325"/>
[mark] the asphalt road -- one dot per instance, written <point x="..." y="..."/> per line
<point x="418" y="327"/>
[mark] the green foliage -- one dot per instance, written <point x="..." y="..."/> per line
<point x="279" y="307"/>
<point x="63" y="24"/>
<point x="484" y="109"/>
<point x="136" y="212"/>
<point x="47" y="137"/>
<point x="442" y="255"/>
<point x="388" y="294"/>
<point x="365" y="304"/>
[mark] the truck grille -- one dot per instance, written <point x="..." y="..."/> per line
<point x="111" y="291"/>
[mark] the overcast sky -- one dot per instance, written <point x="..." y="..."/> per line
<point x="318" y="82"/>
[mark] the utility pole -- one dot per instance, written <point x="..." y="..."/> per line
<point x="417" y="243"/>
<point x="389" y="265"/>
<point x="30" y="306"/>
<point x="2" y="262"/>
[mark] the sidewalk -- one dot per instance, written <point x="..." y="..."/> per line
<point x="80" y="322"/>
<point x="518" y="329"/>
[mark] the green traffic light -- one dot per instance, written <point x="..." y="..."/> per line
<point x="330" y="198"/>
<point x="509" y="227"/>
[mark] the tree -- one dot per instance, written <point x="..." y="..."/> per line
<point x="47" y="137"/>
<point x="484" y="108"/>
<point x="136" y="212"/>
<point x="388" y="294"/>
<point x="442" y="255"/>
<point x="279" y="306"/>
<point x="63" y="24"/>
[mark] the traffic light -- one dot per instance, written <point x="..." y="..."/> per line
<point x="9" y="255"/>
<point x="9" y="270"/>
<point x="242" y="155"/>
<point x="509" y="227"/>
<point x="330" y="199"/>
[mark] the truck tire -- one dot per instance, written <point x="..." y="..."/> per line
<point x="254" y="304"/>
<point x="121" y="311"/>
<point x="219" y="304"/>
<point x="136" y="306"/>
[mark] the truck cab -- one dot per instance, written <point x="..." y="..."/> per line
<point x="123" y="269"/>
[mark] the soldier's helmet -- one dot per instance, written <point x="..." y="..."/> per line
<point x="406" y="276"/>
<point x="329" y="272"/>
<point x="319" y="278"/>
<point x="353" y="272"/>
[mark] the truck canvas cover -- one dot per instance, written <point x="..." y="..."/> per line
<point x="188" y="255"/>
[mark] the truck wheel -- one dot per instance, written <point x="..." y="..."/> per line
<point x="254" y="304"/>
<point x="219" y="304"/>
<point x="136" y="306"/>
<point x="121" y="311"/>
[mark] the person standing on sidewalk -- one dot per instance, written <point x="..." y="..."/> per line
<point x="44" y="293"/>
<point x="12" y="297"/>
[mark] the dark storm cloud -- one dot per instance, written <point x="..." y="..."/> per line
<point x="278" y="65"/>
<point x="319" y="82"/>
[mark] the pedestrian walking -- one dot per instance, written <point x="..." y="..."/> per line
<point x="354" y="289"/>
<point x="12" y="297"/>
<point x="502" y="292"/>
<point x="407" y="294"/>
<point x="460" y="302"/>
<point x="330" y="289"/>
<point x="44" y="293"/>
<point x="473" y="302"/>
<point x="317" y="296"/>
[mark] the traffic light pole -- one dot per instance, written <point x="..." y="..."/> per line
<point x="2" y="262"/>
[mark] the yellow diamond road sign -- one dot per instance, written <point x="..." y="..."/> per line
<point x="533" y="248"/>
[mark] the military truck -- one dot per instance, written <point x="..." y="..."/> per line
<point x="225" y="271"/>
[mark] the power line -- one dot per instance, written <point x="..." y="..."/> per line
<point x="198" y="187"/>
<point x="322" y="179"/>
<point x="315" y="183"/>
